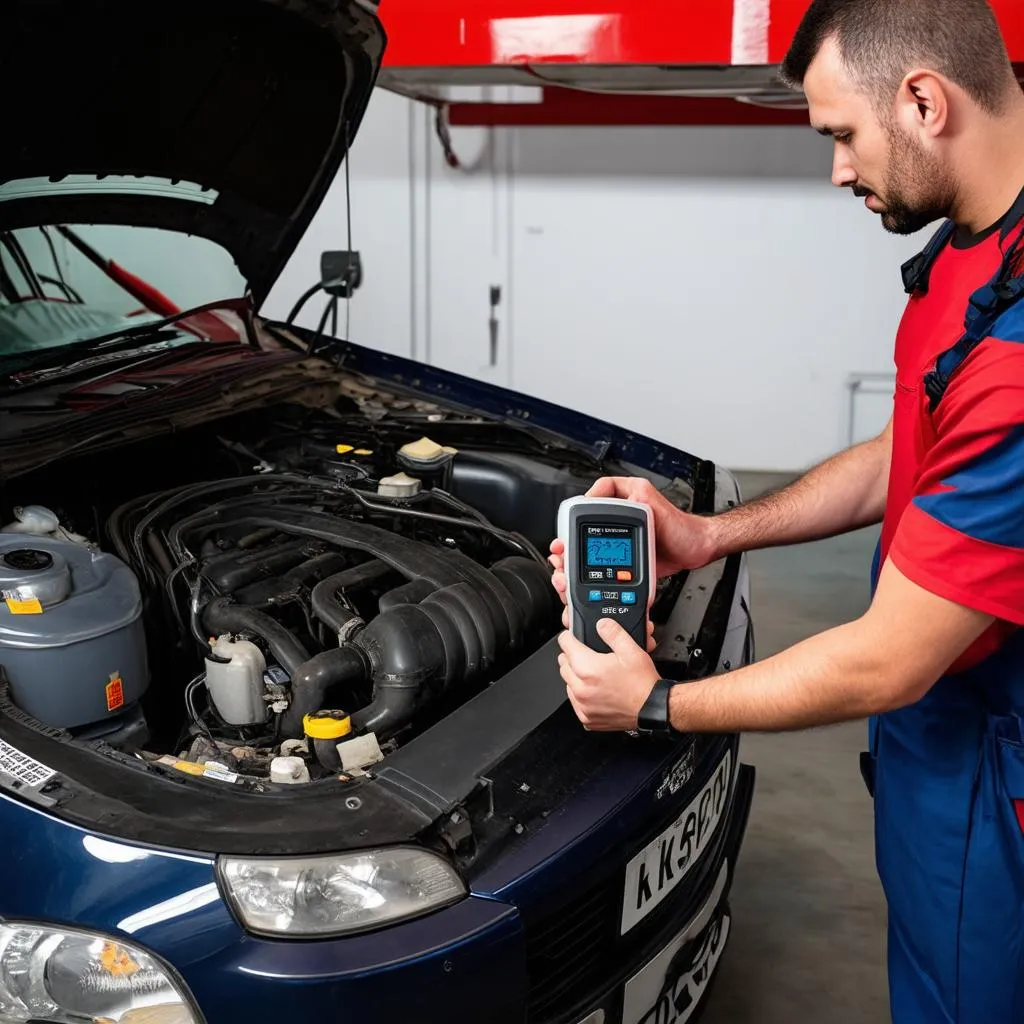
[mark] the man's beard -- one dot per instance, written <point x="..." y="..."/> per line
<point x="918" y="190"/>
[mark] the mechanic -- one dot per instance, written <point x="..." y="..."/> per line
<point x="927" y="120"/>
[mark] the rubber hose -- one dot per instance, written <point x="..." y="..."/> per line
<point x="221" y="615"/>
<point x="407" y="652"/>
<point x="530" y="586"/>
<point x="312" y="680"/>
<point x="323" y="598"/>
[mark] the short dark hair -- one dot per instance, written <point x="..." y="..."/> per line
<point x="880" y="41"/>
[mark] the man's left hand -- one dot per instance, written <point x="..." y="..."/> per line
<point x="607" y="691"/>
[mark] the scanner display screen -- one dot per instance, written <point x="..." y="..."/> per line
<point x="609" y="551"/>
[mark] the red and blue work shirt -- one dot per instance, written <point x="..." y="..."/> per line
<point x="947" y="772"/>
<point x="954" y="518"/>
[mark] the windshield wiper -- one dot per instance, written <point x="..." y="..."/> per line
<point x="58" y="353"/>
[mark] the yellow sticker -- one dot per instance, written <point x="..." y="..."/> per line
<point x="344" y="449"/>
<point x="29" y="607"/>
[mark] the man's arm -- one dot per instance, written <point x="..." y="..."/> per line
<point x="844" y="493"/>
<point x="887" y="659"/>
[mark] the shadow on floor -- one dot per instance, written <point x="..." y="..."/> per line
<point x="807" y="907"/>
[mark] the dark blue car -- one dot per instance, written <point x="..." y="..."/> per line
<point x="282" y="734"/>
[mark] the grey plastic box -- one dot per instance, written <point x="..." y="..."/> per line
<point x="82" y="660"/>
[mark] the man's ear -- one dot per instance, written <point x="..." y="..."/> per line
<point x="922" y="103"/>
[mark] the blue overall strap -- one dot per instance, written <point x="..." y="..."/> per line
<point x="917" y="271"/>
<point x="984" y="308"/>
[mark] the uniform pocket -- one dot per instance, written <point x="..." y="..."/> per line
<point x="1009" y="751"/>
<point x="990" y="975"/>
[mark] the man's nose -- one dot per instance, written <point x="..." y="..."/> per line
<point x="843" y="174"/>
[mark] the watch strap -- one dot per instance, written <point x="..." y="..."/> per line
<point x="654" y="715"/>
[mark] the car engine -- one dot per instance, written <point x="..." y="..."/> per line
<point x="297" y="619"/>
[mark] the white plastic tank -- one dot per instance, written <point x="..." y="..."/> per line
<point x="234" y="677"/>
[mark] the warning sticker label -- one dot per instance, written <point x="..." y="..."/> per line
<point x="23" y="768"/>
<point x="115" y="693"/>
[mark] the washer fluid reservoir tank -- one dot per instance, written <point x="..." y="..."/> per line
<point x="71" y="636"/>
<point x="234" y="677"/>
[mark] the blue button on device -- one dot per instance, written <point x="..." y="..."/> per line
<point x="629" y="597"/>
<point x="595" y="595"/>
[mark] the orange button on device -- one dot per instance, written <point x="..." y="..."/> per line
<point x="624" y="576"/>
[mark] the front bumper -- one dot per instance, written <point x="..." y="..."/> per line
<point x="543" y="948"/>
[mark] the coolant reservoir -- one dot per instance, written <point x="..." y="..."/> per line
<point x="236" y="682"/>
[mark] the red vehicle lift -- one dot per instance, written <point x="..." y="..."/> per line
<point x="606" y="62"/>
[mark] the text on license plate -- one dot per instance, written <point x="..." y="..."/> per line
<point x="658" y="868"/>
<point x="663" y="994"/>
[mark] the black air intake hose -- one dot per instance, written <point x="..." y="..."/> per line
<point x="415" y="651"/>
<point x="418" y="650"/>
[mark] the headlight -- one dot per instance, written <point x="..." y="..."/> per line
<point x="70" y="977"/>
<point x="303" y="897"/>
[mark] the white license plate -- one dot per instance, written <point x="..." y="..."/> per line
<point x="649" y="1000"/>
<point x="657" y="869"/>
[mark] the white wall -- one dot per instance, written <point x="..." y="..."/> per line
<point x="707" y="286"/>
<point x="380" y="173"/>
<point x="710" y="286"/>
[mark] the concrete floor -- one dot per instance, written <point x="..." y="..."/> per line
<point x="808" y="913"/>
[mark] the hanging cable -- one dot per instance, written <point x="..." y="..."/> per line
<point x="348" y="220"/>
<point x="303" y="299"/>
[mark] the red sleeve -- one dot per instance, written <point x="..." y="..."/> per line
<point x="962" y="536"/>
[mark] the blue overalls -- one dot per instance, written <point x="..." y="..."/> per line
<point x="946" y="774"/>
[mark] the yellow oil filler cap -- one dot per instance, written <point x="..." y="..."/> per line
<point x="327" y="725"/>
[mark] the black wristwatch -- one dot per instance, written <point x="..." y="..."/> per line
<point x="654" y="715"/>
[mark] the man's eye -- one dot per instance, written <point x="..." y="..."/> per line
<point x="843" y="137"/>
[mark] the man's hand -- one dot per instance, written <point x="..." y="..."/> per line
<point x="683" y="541"/>
<point x="607" y="691"/>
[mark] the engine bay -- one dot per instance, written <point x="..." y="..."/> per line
<point x="280" y="596"/>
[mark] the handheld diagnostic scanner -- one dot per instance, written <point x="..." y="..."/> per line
<point x="609" y="566"/>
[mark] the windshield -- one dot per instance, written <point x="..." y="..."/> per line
<point x="66" y="283"/>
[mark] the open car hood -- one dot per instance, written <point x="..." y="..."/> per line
<point x="242" y="110"/>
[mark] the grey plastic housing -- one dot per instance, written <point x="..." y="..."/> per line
<point x="82" y="660"/>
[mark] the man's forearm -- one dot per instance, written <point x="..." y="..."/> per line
<point x="887" y="659"/>
<point x="844" y="493"/>
<point x="822" y="681"/>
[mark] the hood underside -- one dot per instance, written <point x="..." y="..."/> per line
<point x="254" y="101"/>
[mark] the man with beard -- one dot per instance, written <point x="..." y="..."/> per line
<point x="927" y="120"/>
